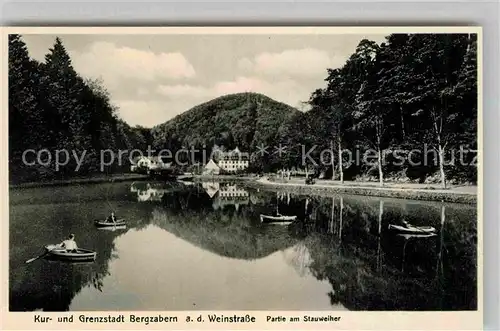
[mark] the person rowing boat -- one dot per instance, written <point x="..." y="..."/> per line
<point x="69" y="244"/>
<point x="111" y="218"/>
<point x="406" y="224"/>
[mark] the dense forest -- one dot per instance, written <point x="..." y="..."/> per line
<point x="52" y="107"/>
<point x="414" y="92"/>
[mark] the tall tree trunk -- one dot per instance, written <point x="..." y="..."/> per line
<point x="380" y="173"/>
<point x="441" y="164"/>
<point x="341" y="170"/>
<point x="438" y="129"/>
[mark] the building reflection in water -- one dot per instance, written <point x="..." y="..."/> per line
<point x="154" y="191"/>
<point x="222" y="193"/>
<point x="229" y="194"/>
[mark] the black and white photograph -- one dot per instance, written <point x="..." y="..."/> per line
<point x="328" y="171"/>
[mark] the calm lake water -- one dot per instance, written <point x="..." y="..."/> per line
<point x="203" y="247"/>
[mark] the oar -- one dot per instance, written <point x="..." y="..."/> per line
<point x="38" y="257"/>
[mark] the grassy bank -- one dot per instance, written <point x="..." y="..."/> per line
<point x="82" y="180"/>
<point x="428" y="193"/>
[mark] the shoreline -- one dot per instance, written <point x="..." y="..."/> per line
<point x="360" y="189"/>
<point x="222" y="178"/>
<point x="391" y="190"/>
<point x="87" y="180"/>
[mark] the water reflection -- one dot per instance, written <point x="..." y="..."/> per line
<point x="339" y="252"/>
<point x="146" y="191"/>
<point x="299" y="258"/>
<point x="51" y="285"/>
<point x="229" y="194"/>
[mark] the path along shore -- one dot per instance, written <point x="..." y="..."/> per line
<point x="413" y="191"/>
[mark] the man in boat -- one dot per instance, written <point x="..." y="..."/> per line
<point x="111" y="218"/>
<point x="406" y="224"/>
<point x="69" y="244"/>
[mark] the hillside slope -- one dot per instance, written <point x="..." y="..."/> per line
<point x="245" y="120"/>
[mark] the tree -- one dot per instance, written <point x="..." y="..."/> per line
<point x="339" y="93"/>
<point x="26" y="122"/>
<point x="52" y="106"/>
<point x="370" y="112"/>
<point x="411" y="91"/>
<point x="437" y="72"/>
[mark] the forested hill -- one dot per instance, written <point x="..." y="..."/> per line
<point x="244" y="120"/>
<point x="52" y="107"/>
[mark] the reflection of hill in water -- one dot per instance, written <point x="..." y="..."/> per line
<point x="226" y="223"/>
<point x="232" y="236"/>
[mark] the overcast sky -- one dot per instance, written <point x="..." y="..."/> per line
<point x="152" y="78"/>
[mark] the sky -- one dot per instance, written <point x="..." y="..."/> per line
<point x="153" y="78"/>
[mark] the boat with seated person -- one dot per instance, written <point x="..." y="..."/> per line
<point x="79" y="255"/>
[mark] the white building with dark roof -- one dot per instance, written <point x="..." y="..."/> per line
<point x="234" y="160"/>
<point x="151" y="162"/>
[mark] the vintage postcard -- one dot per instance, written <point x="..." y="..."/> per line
<point x="247" y="178"/>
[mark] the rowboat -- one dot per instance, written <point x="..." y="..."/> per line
<point x="279" y="223"/>
<point x="412" y="229"/>
<point x="112" y="228"/>
<point x="407" y="236"/>
<point x="279" y="219"/>
<point x="282" y="219"/>
<point x="100" y="224"/>
<point x="81" y="255"/>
